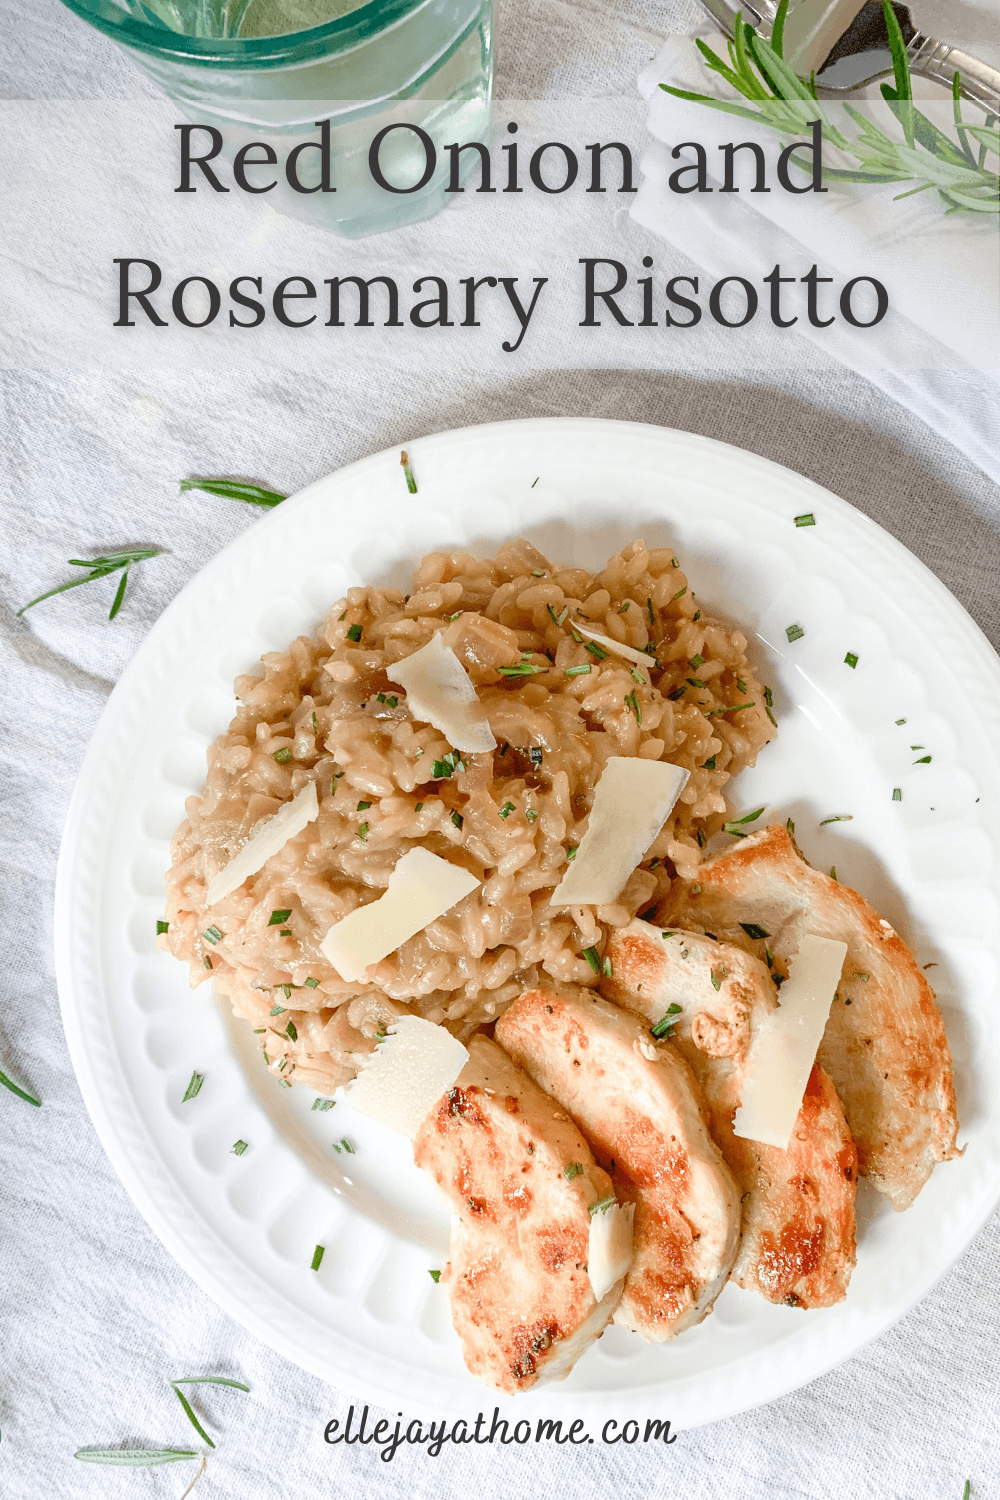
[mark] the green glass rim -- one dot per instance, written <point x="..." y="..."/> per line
<point x="287" y="49"/>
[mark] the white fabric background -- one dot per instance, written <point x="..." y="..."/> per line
<point x="95" y="1315"/>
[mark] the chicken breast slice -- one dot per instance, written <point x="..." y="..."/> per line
<point x="798" y="1234"/>
<point x="885" y="1046"/>
<point x="521" y="1299"/>
<point x="638" y="1106"/>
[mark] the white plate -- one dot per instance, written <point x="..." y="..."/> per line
<point x="371" y="1320"/>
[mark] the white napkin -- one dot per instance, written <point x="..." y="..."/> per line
<point x="941" y="271"/>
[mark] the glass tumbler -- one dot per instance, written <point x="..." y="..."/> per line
<point x="274" y="70"/>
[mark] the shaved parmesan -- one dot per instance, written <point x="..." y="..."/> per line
<point x="266" y="842"/>
<point x="439" y="691"/>
<point x="632" y="802"/>
<point x="609" y="1252"/>
<point x="421" y="888"/>
<point x="641" y="658"/>
<point x="408" y="1074"/>
<point x="783" y="1051"/>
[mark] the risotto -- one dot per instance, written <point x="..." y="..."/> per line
<point x="558" y="704"/>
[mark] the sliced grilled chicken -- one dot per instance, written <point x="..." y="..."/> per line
<point x="521" y="1299"/>
<point x="885" y="1047"/>
<point x="639" y="1108"/>
<point x="797" y="1245"/>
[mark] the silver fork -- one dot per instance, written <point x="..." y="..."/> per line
<point x="846" y="44"/>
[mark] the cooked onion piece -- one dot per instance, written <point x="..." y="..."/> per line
<point x="783" y="1051"/>
<point x="440" y="692"/>
<point x="633" y="800"/>
<point x="421" y="888"/>
<point x="266" y="842"/>
<point x="641" y="658"/>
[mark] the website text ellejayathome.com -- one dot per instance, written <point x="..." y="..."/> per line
<point x="433" y="1435"/>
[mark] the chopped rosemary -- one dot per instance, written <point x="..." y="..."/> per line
<point x="709" y="764"/>
<point x="317" y="1259"/>
<point x="794" y="632"/>
<point x="741" y="685"/>
<point x="506" y="810"/>
<point x="531" y="813"/>
<point x="99" y="567"/>
<point x="606" y="968"/>
<point x="665" y="1025"/>
<point x="679" y="595"/>
<point x="344" y="1145"/>
<point x="457" y="819"/>
<point x="323" y="1104"/>
<point x="851" y="658"/>
<point x="161" y="928"/>
<point x="602" y="1205"/>
<point x="754" y="930"/>
<point x="278" y="916"/>
<point x="735" y="824"/>
<point x="362" y="806"/>
<point x="559" y="619"/>
<point x="590" y="954"/>
<point x="632" y="702"/>
<point x="235" y="489"/>
<point x="278" y="1010"/>
<point x="732" y="709"/>
<point x="442" y="769"/>
<point x="900" y="721"/>
<point x="411" y="483"/>
<point x="291" y="1032"/>
<point x="677" y="692"/>
<point x="769" y="955"/>
<point x="285" y="932"/>
<point x="436" y="1275"/>
<point x="916" y="747"/>
<point x="696" y="662"/>
<point x="697" y="682"/>
<point x="716" y="980"/>
<point x="596" y="651"/>
<point x="194" y="1087"/>
<point x="573" y="1169"/>
<point x="418" y="807"/>
<point x="212" y="935"/>
<point x="807" y="520"/>
<point x="702" y="837"/>
<point x="791" y="828"/>
<point x="354" y="632"/>
<point x="208" y="962"/>
<point x="522" y="669"/>
<point x="923" y="760"/>
<point x="838" y="818"/>
<point x="669" y="934"/>
<point x="624" y="607"/>
<point x="536" y="755"/>
<point x="652" y="616"/>
<point x="283" y="756"/>
<point x="363" y="832"/>
<point x="833" y="873"/>
<point x="578" y="671"/>
<point x="286" y="989"/>
<point x="239" y="1147"/>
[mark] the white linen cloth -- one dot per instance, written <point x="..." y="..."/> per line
<point x="942" y="272"/>
<point x="95" y="1314"/>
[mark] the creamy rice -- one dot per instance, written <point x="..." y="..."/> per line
<point x="325" y="711"/>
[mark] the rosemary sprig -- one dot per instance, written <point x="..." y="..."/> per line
<point x="779" y="99"/>
<point x="100" y="567"/>
<point x="21" y="1094"/>
<point x="133" y="1458"/>
<point x="236" y="489"/>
